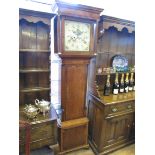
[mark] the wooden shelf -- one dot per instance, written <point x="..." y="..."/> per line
<point x="31" y="70"/>
<point x="33" y="50"/>
<point x="97" y="74"/>
<point x="115" y="53"/>
<point x="121" y="97"/>
<point x="34" y="89"/>
<point x="50" y="116"/>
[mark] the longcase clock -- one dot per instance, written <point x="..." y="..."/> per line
<point x="75" y="28"/>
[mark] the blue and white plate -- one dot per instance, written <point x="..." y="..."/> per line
<point x="120" y="63"/>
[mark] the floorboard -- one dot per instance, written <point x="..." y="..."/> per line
<point x="128" y="150"/>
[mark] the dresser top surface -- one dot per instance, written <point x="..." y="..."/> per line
<point x="50" y="116"/>
<point x="112" y="99"/>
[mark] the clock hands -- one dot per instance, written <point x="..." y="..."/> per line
<point x="77" y="32"/>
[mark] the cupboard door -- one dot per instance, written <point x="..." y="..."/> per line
<point x="95" y="115"/>
<point x="118" y="128"/>
<point x="132" y="133"/>
<point x="90" y="116"/>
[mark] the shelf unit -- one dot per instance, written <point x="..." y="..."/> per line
<point x="115" y="37"/>
<point x="34" y="56"/>
<point x="34" y="75"/>
<point x="111" y="118"/>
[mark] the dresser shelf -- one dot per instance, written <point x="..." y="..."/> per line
<point x="29" y="70"/>
<point x="33" y="50"/>
<point x="25" y="90"/>
<point x="102" y="74"/>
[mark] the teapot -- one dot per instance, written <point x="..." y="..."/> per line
<point x="43" y="105"/>
<point x="31" y="111"/>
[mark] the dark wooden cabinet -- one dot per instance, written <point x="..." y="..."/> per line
<point x="34" y="74"/>
<point x="111" y="122"/>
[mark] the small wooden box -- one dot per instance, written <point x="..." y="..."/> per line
<point x="73" y="134"/>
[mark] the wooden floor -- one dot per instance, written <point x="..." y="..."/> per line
<point x="128" y="150"/>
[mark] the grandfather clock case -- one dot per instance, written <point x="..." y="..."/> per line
<point x="75" y="33"/>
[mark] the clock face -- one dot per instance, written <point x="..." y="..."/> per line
<point x="77" y="36"/>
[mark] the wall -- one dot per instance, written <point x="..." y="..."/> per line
<point x="120" y="8"/>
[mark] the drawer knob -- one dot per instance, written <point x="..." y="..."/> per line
<point x="129" y="106"/>
<point x="114" y="109"/>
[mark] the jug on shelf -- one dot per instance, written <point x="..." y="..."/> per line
<point x="43" y="105"/>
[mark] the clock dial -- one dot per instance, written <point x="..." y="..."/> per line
<point x="77" y="36"/>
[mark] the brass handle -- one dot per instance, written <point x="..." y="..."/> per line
<point x="114" y="109"/>
<point x="129" y="106"/>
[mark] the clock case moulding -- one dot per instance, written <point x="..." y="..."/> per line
<point x="77" y="13"/>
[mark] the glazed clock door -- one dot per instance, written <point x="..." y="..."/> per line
<point x="77" y="36"/>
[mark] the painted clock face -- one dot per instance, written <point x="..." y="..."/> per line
<point x="77" y="36"/>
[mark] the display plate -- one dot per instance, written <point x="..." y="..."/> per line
<point x="120" y="63"/>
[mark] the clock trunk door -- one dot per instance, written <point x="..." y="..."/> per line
<point x="74" y="82"/>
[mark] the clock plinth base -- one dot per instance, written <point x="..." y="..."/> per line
<point x="74" y="149"/>
<point x="72" y="135"/>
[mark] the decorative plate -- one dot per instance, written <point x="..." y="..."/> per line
<point x="120" y="63"/>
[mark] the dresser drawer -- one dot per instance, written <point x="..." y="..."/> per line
<point x="42" y="131"/>
<point x="120" y="108"/>
<point x="22" y="135"/>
